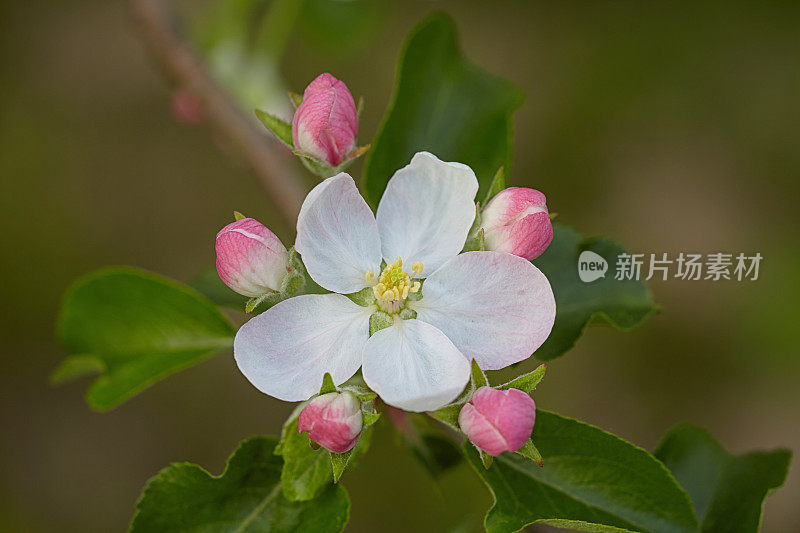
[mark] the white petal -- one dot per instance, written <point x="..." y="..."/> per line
<point x="337" y="236"/>
<point x="286" y="350"/>
<point x="497" y="308"/>
<point x="427" y="211"/>
<point x="414" y="366"/>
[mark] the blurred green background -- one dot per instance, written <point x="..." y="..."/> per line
<point x="668" y="128"/>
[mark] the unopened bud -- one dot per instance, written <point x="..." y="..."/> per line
<point x="516" y="221"/>
<point x="498" y="421"/>
<point x="325" y="125"/>
<point x="251" y="260"/>
<point x="333" y="420"/>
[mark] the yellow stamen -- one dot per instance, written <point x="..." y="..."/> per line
<point x="394" y="285"/>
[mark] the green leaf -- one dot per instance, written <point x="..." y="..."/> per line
<point x="280" y="128"/>
<point x="444" y="104"/>
<point x="76" y="366"/>
<point x="307" y="471"/>
<point x="728" y="491"/>
<point x="247" y="497"/>
<point x="209" y="285"/>
<point x="427" y="442"/>
<point x="526" y="382"/>
<point x="138" y="328"/>
<point x="622" y="304"/>
<point x="591" y="481"/>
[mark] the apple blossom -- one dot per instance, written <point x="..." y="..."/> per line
<point x="333" y="420"/>
<point x="251" y="260"/>
<point x="498" y="421"/>
<point x="493" y="307"/>
<point x="516" y="221"/>
<point x="325" y="125"/>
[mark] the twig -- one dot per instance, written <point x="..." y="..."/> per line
<point x="183" y="67"/>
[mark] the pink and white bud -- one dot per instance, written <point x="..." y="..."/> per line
<point x="325" y="125"/>
<point x="333" y="420"/>
<point x="251" y="260"/>
<point x="498" y="421"/>
<point x="516" y="221"/>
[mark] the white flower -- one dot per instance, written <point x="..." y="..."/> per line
<point x="493" y="307"/>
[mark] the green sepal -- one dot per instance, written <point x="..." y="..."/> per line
<point x="478" y="377"/>
<point x="292" y="283"/>
<point x="368" y="412"/>
<point x="295" y="279"/>
<point x="341" y="461"/>
<point x="280" y="128"/>
<point x="362" y="392"/>
<point x="475" y="241"/>
<point x="295" y="99"/>
<point x="270" y="298"/>
<point x="339" y="464"/>
<point x="360" y="106"/>
<point x="322" y="168"/>
<point x="327" y="385"/>
<point x="526" y="382"/>
<point x="486" y="459"/>
<point x="529" y="450"/>
<point x="352" y="156"/>
<point x="448" y="414"/>
<point x="498" y="184"/>
<point x="476" y="223"/>
<point x="371" y="418"/>
<point x="365" y="297"/>
<point x="378" y="321"/>
<point x="238" y="216"/>
<point x="408" y="314"/>
<point x="316" y="166"/>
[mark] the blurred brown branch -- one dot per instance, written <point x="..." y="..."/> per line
<point x="180" y="63"/>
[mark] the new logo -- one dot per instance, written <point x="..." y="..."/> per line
<point x="591" y="266"/>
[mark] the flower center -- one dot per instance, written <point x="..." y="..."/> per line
<point x="394" y="285"/>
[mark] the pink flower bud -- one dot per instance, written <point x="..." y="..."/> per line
<point x="516" y="221"/>
<point x="186" y="107"/>
<point x="498" y="421"/>
<point x="251" y="260"/>
<point x="333" y="421"/>
<point x="325" y="125"/>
